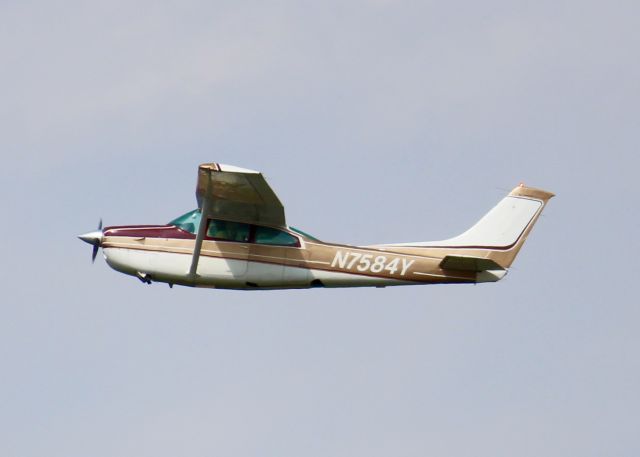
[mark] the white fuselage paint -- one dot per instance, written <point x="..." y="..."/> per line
<point x="218" y="272"/>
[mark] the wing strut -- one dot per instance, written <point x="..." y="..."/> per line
<point x="202" y="229"/>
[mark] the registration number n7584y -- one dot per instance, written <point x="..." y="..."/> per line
<point x="371" y="263"/>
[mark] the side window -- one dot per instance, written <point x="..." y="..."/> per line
<point x="228" y="231"/>
<point x="266" y="235"/>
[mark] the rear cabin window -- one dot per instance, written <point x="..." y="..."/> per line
<point x="228" y="231"/>
<point x="267" y="235"/>
<point x="305" y="234"/>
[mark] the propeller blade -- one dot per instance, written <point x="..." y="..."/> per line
<point x="94" y="239"/>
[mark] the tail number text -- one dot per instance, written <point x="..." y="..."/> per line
<point x="368" y="262"/>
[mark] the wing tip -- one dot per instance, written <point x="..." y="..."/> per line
<point x="215" y="166"/>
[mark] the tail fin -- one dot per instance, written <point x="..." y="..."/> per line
<point x="518" y="198"/>
<point x="499" y="234"/>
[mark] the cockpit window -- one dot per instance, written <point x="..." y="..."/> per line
<point x="188" y="222"/>
<point x="237" y="231"/>
<point x="267" y="235"/>
<point x="228" y="231"/>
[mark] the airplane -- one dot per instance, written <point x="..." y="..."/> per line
<point x="238" y="238"/>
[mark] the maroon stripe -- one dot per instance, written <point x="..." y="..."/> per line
<point x="149" y="231"/>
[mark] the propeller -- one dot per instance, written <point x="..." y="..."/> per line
<point x="94" y="239"/>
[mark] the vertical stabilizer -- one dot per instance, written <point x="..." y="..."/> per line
<point x="499" y="234"/>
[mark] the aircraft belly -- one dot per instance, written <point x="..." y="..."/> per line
<point x="265" y="274"/>
<point x="225" y="258"/>
<point x="340" y="279"/>
<point x="173" y="267"/>
<point x="134" y="261"/>
<point x="118" y="259"/>
<point x="275" y="267"/>
<point x="215" y="267"/>
<point x="297" y="276"/>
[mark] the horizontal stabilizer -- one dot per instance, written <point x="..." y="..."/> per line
<point x="468" y="263"/>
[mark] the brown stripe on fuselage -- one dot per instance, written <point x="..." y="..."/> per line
<point x="313" y="256"/>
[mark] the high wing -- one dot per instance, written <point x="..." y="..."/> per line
<point x="236" y="194"/>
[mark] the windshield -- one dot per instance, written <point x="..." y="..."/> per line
<point x="188" y="222"/>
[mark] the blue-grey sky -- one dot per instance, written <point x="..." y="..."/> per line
<point x="374" y="121"/>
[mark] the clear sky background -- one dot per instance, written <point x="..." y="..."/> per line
<point x="374" y="121"/>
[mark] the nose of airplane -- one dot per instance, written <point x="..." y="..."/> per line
<point x="95" y="239"/>
<point x="92" y="237"/>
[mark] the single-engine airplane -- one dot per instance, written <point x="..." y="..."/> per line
<point x="238" y="238"/>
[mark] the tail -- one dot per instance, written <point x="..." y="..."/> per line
<point x="495" y="240"/>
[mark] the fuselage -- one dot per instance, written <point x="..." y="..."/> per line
<point x="243" y="256"/>
<point x="238" y="238"/>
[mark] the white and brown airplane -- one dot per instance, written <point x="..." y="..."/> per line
<point x="238" y="239"/>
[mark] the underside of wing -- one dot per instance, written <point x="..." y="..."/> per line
<point x="237" y="194"/>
